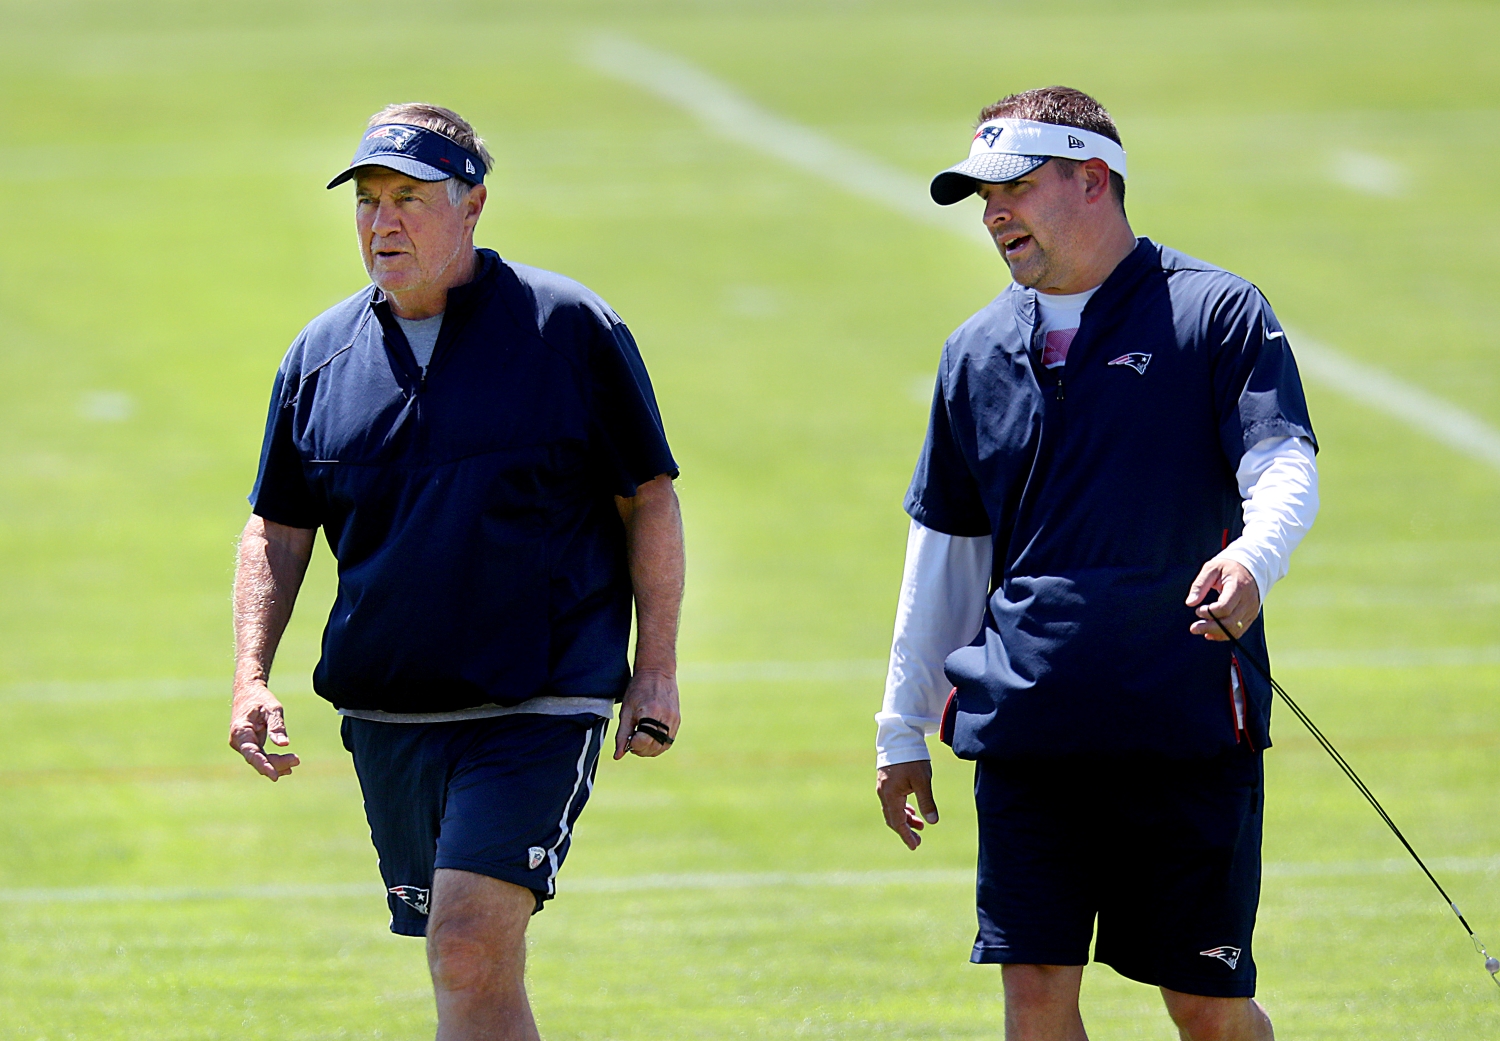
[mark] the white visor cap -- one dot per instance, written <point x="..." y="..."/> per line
<point x="1004" y="149"/>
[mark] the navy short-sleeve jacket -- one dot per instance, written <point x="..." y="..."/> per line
<point x="1105" y="486"/>
<point x="481" y="557"/>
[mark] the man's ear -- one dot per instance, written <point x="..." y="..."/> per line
<point x="1095" y="179"/>
<point x="475" y="204"/>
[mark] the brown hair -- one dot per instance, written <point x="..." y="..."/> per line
<point x="1065" y="107"/>
<point x="434" y="117"/>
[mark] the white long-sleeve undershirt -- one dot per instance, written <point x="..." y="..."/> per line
<point x="945" y="584"/>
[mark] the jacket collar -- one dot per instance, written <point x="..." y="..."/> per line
<point x="461" y="299"/>
<point x="1126" y="275"/>
<point x="461" y="303"/>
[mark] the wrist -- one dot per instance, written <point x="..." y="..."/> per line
<point x="1246" y="558"/>
<point x="885" y="758"/>
<point x="247" y="677"/>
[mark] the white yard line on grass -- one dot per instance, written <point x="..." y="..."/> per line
<point x="700" y="881"/>
<point x="1436" y="417"/>
<point x="726" y="112"/>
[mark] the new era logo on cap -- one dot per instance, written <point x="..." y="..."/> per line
<point x="468" y="167"/>
<point x="1073" y="142"/>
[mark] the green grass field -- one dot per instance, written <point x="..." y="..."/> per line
<point x="168" y="234"/>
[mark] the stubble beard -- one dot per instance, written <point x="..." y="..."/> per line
<point x="1029" y="273"/>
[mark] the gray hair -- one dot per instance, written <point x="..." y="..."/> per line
<point x="458" y="190"/>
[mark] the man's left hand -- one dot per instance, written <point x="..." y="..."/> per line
<point x="1238" y="603"/>
<point x="651" y="695"/>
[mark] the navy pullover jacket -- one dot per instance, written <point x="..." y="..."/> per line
<point x="481" y="557"/>
<point x="1105" y="485"/>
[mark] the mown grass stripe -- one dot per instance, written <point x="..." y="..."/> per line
<point x="697" y="881"/>
<point x="844" y="669"/>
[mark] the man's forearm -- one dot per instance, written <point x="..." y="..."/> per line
<point x="653" y="533"/>
<point x="271" y="564"/>
<point x="1278" y="480"/>
<point x="944" y="585"/>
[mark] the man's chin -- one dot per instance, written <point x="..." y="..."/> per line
<point x="393" y="281"/>
<point x="1024" y="274"/>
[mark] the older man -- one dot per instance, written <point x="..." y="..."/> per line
<point x="480" y="444"/>
<point x="1119" y="461"/>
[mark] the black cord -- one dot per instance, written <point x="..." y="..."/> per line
<point x="655" y="729"/>
<point x="1364" y="790"/>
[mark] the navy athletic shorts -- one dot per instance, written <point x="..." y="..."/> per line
<point x="1164" y="853"/>
<point x="497" y="797"/>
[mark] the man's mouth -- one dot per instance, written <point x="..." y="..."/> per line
<point x="1010" y="245"/>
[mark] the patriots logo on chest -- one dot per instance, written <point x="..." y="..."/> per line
<point x="1134" y="360"/>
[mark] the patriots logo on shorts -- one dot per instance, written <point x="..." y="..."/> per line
<point x="415" y="896"/>
<point x="990" y="135"/>
<point x="1228" y="955"/>
<point x="399" y="137"/>
<point x="1134" y="360"/>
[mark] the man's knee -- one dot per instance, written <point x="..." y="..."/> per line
<point x="476" y="936"/>
<point x="1200" y="1018"/>
<point x="466" y="953"/>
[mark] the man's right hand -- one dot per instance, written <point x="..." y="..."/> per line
<point x="893" y="784"/>
<point x="256" y="716"/>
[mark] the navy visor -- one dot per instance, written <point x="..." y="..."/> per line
<point x="415" y="151"/>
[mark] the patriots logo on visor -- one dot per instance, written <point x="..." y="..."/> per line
<point x="1133" y="360"/>
<point x="990" y="135"/>
<point x="1228" y="955"/>
<point x="399" y="137"/>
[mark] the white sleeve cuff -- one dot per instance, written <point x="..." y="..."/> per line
<point x="901" y="739"/>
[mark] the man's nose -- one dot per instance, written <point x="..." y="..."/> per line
<point x="996" y="211"/>
<point x="385" y="221"/>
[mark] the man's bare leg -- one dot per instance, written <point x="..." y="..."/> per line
<point x="476" y="949"/>
<point x="1217" y="1019"/>
<point x="1041" y="1003"/>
